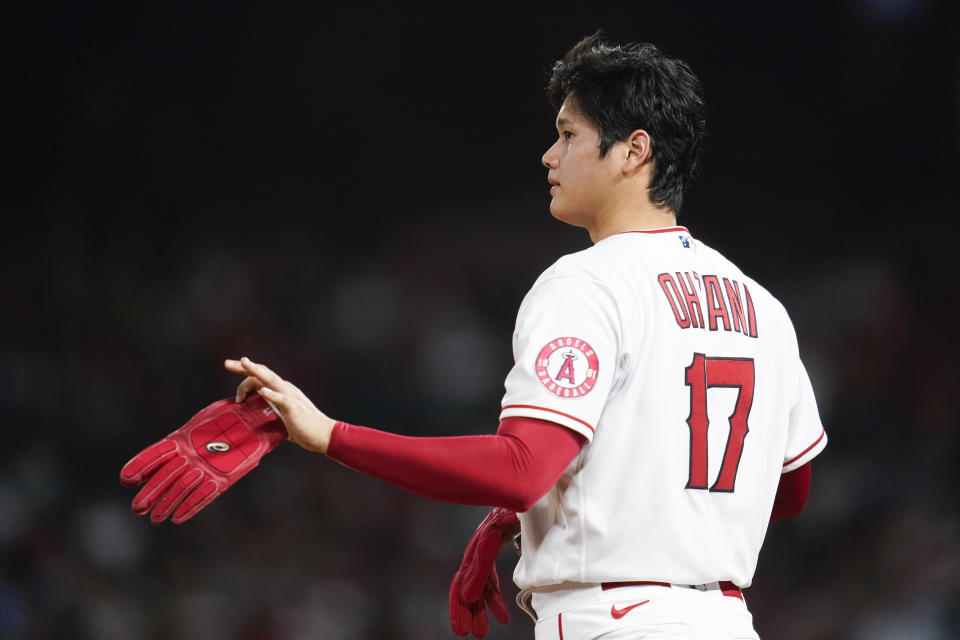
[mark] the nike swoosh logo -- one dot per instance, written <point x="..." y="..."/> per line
<point x="619" y="613"/>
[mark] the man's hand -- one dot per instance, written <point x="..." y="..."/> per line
<point x="476" y="584"/>
<point x="188" y="469"/>
<point x="307" y="425"/>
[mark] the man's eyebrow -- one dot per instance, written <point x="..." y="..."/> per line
<point x="563" y="122"/>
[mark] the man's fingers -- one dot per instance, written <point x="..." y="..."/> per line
<point x="233" y="366"/>
<point x="275" y="398"/>
<point x="261" y="372"/>
<point x="244" y="388"/>
<point x="258" y="376"/>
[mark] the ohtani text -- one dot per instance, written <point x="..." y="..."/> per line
<point x="709" y="302"/>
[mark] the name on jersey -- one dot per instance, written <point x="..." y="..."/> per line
<point x="709" y="302"/>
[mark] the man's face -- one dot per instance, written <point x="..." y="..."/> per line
<point x="581" y="179"/>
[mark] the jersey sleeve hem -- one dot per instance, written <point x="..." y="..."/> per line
<point x="551" y="415"/>
<point x="807" y="454"/>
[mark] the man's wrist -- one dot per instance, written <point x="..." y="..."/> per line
<point x="339" y="426"/>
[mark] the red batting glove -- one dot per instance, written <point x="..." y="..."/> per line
<point x="193" y="465"/>
<point x="476" y="585"/>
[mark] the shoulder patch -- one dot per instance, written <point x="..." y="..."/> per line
<point x="567" y="367"/>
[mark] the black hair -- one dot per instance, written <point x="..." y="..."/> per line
<point x="622" y="88"/>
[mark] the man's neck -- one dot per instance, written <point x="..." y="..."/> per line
<point x="634" y="218"/>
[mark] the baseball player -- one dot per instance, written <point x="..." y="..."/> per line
<point x="657" y="418"/>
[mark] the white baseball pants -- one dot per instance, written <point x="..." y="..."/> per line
<point x="675" y="612"/>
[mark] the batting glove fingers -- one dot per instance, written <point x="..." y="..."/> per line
<point x="190" y="467"/>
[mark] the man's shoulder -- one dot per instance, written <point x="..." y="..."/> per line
<point x="582" y="274"/>
<point x="597" y="263"/>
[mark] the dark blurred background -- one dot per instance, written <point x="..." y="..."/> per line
<point x="353" y="194"/>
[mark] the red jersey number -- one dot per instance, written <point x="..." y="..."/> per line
<point x="703" y="373"/>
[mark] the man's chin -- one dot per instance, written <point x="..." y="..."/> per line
<point x="565" y="216"/>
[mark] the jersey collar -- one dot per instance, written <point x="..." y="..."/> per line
<point x="663" y="230"/>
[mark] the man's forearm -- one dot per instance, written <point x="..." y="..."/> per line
<point x="512" y="469"/>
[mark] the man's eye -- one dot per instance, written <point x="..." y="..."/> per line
<point x="567" y="134"/>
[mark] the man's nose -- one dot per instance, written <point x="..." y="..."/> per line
<point x="549" y="158"/>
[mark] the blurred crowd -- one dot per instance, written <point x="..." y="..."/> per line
<point x="416" y="340"/>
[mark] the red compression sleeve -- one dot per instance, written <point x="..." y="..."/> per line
<point x="792" y="493"/>
<point x="512" y="469"/>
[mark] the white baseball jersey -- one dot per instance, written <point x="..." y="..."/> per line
<point x="684" y="376"/>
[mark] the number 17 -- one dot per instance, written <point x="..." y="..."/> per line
<point x="703" y="373"/>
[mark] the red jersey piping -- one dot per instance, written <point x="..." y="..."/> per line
<point x="665" y="230"/>
<point x="560" y="413"/>
<point x="804" y="452"/>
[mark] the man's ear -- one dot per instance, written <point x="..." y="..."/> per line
<point x="638" y="151"/>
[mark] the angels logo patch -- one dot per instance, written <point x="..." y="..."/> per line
<point x="568" y="367"/>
